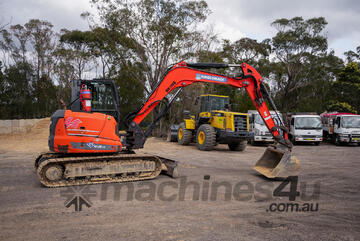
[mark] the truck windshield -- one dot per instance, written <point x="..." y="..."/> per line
<point x="351" y="122"/>
<point x="259" y="120"/>
<point x="308" y="123"/>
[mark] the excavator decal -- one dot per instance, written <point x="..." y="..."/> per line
<point x="211" y="77"/>
<point x="71" y="123"/>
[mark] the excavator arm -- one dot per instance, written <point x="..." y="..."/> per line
<point x="274" y="161"/>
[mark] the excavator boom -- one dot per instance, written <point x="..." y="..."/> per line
<point x="276" y="161"/>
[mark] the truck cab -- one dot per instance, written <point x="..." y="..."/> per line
<point x="305" y="128"/>
<point x="258" y="127"/>
<point x="342" y="127"/>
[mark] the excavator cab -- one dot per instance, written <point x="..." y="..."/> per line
<point x="104" y="96"/>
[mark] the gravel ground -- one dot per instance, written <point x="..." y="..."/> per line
<point x="235" y="203"/>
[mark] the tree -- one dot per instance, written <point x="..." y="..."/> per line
<point x="296" y="45"/>
<point x="131" y="94"/>
<point x="157" y="32"/>
<point x="41" y="37"/>
<point x="75" y="46"/>
<point x="22" y="35"/>
<point x="346" y="89"/>
<point x="321" y="73"/>
<point x="151" y="34"/>
<point x="44" y="97"/>
<point x="252" y="52"/>
<point x="16" y="96"/>
<point x="352" y="56"/>
<point x="247" y="50"/>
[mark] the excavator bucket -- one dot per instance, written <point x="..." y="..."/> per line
<point x="277" y="163"/>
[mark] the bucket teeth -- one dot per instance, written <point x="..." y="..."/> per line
<point x="276" y="162"/>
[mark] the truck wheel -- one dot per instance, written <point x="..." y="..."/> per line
<point x="317" y="143"/>
<point x="184" y="136"/>
<point x="252" y="142"/>
<point x="336" y="140"/>
<point x="238" y="146"/>
<point x="206" y="137"/>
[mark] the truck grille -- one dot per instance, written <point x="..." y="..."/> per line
<point x="240" y="123"/>
<point x="268" y="133"/>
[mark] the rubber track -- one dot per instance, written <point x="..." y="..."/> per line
<point x="55" y="158"/>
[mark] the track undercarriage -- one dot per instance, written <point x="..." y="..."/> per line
<point x="58" y="170"/>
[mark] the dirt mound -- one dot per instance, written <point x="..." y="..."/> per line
<point x="35" y="140"/>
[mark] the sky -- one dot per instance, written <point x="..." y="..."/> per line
<point x="230" y="19"/>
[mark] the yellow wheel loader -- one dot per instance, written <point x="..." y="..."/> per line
<point x="214" y="124"/>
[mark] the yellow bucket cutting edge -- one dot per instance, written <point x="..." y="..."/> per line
<point x="277" y="163"/>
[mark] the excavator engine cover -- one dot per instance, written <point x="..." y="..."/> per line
<point x="276" y="162"/>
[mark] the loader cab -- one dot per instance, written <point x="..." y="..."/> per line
<point x="209" y="103"/>
<point x="104" y="96"/>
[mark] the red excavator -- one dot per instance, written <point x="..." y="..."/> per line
<point x="86" y="147"/>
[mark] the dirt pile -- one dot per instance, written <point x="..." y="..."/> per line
<point x="35" y="140"/>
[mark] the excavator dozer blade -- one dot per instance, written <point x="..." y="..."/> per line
<point x="277" y="163"/>
<point x="169" y="167"/>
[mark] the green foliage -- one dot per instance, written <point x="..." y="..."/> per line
<point x="352" y="56"/>
<point x="75" y="48"/>
<point x="131" y="94"/>
<point x="350" y="74"/>
<point x="157" y="31"/>
<point x="341" y="107"/>
<point x="297" y="44"/>
<point x="347" y="88"/>
<point x="16" y="99"/>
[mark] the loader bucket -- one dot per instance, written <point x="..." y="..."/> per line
<point x="277" y="163"/>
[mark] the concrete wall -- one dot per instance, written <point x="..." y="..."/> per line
<point x="17" y="126"/>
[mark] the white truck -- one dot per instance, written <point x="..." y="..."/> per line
<point x="258" y="127"/>
<point x="341" y="127"/>
<point x="304" y="127"/>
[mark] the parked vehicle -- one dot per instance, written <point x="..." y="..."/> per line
<point x="258" y="127"/>
<point x="305" y="127"/>
<point x="214" y="124"/>
<point x="341" y="127"/>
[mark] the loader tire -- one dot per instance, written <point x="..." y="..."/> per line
<point x="238" y="146"/>
<point x="170" y="137"/>
<point x="184" y="136"/>
<point x="206" y="137"/>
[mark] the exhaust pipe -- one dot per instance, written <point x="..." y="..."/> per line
<point x="276" y="162"/>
